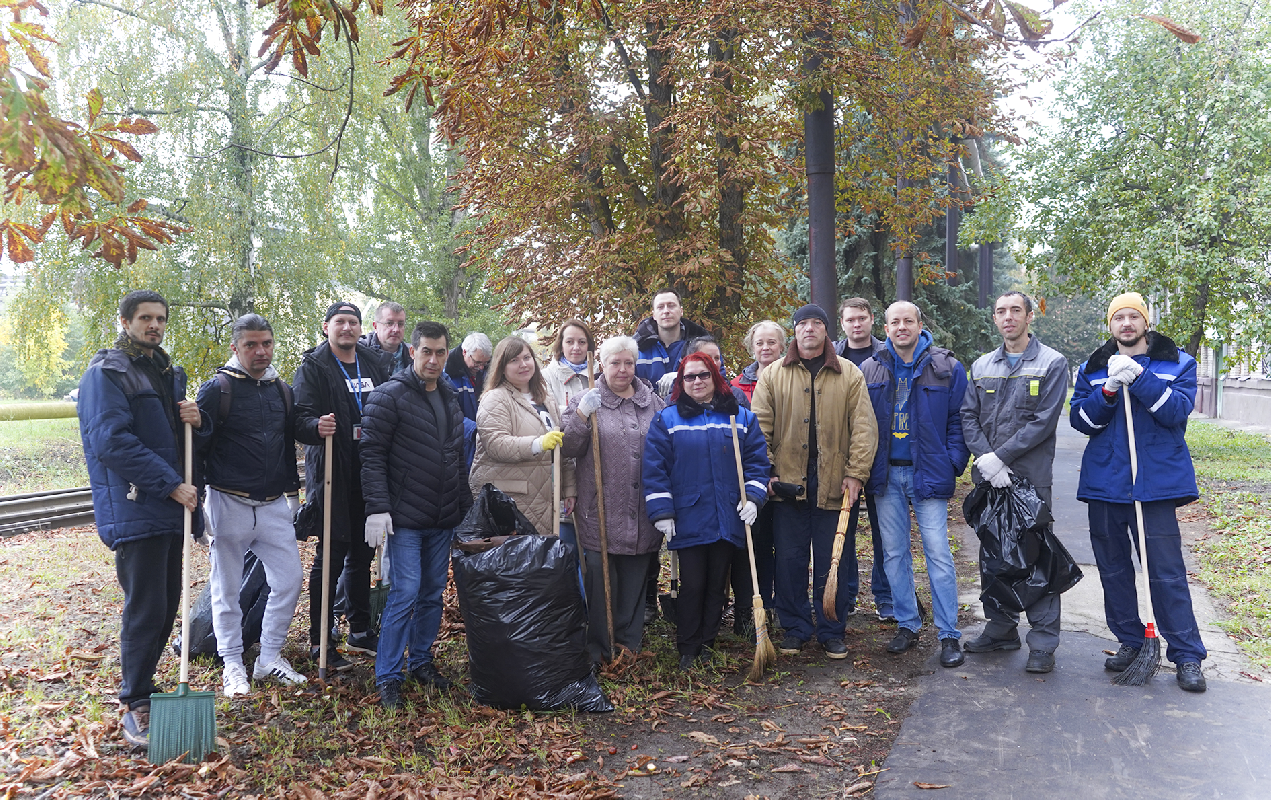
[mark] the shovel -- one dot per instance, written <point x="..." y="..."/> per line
<point x="183" y="723"/>
<point x="670" y="602"/>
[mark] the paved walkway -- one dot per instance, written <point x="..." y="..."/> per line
<point x="990" y="730"/>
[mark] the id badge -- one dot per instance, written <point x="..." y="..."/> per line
<point x="357" y="433"/>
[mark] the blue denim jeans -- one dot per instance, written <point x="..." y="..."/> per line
<point x="894" y="503"/>
<point x="1112" y="529"/>
<point x="418" y="565"/>
<point x="800" y="527"/>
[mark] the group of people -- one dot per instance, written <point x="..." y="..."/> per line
<point x="686" y="458"/>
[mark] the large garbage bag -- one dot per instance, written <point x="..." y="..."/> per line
<point x="1021" y="559"/>
<point x="253" y="594"/>
<point x="525" y="622"/>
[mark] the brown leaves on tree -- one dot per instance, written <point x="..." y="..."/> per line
<point x="297" y="30"/>
<point x="1185" y="35"/>
<point x="70" y="167"/>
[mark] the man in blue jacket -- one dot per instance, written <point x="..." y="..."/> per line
<point x="465" y="371"/>
<point x="660" y="339"/>
<point x="132" y="410"/>
<point x="1158" y="379"/>
<point x="917" y="390"/>
<point x="416" y="490"/>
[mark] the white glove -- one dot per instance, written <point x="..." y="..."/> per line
<point x="1125" y="368"/>
<point x="989" y="465"/>
<point x="665" y="383"/>
<point x="748" y="511"/>
<point x="1113" y="384"/>
<point x="1002" y="479"/>
<point x="666" y="527"/>
<point x="378" y="528"/>
<point x="588" y="403"/>
<point x="293" y="504"/>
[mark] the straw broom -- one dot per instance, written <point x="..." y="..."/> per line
<point x="183" y="723"/>
<point x="765" y="653"/>
<point x="1148" y="661"/>
<point x="829" y="600"/>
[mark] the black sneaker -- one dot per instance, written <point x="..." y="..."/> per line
<point x="686" y="662"/>
<point x="1122" y="660"/>
<point x="791" y="645"/>
<point x="951" y="653"/>
<point x="428" y="675"/>
<point x="390" y="694"/>
<point x="1190" y="678"/>
<point x="136" y="726"/>
<point x="1040" y="662"/>
<point x="834" y="648"/>
<point x="650" y="613"/>
<point x="365" y="642"/>
<point x="904" y="640"/>
<point x="335" y="661"/>
<point x="985" y="643"/>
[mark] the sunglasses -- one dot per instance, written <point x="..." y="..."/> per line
<point x="696" y="376"/>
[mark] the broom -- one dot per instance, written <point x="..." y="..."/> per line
<point x="765" y="653"/>
<point x="183" y="723"/>
<point x="1148" y="661"/>
<point x="829" y="600"/>
<point x="379" y="588"/>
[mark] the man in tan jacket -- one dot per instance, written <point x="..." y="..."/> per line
<point x="814" y="411"/>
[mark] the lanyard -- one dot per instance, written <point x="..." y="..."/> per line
<point x="357" y="363"/>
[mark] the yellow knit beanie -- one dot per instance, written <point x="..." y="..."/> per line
<point x="1132" y="300"/>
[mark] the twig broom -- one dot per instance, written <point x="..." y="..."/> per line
<point x="183" y="723"/>
<point x="1148" y="661"/>
<point x="829" y="600"/>
<point x="765" y="653"/>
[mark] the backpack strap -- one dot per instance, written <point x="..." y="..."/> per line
<point x="227" y="397"/>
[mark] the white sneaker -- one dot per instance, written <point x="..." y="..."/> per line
<point x="235" y="680"/>
<point x="279" y="670"/>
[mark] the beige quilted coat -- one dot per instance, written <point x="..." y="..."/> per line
<point x="507" y="426"/>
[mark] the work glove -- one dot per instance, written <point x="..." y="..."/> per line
<point x="588" y="403"/>
<point x="666" y="527"/>
<point x="748" y="511"/>
<point x="548" y="441"/>
<point x="293" y="504"/>
<point x="1002" y="479"/>
<point x="1112" y="385"/>
<point x="1126" y="369"/>
<point x="378" y="528"/>
<point x="665" y="383"/>
<point x="989" y="465"/>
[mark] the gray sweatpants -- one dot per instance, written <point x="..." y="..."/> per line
<point x="1043" y="616"/>
<point x="237" y="525"/>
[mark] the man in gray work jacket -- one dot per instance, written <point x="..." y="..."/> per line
<point x="1009" y="415"/>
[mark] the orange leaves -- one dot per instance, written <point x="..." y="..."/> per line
<point x="1168" y="24"/>
<point x="297" y="29"/>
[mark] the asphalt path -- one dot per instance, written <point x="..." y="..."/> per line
<point x="988" y="729"/>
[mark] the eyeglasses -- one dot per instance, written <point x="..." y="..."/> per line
<point x="696" y="376"/>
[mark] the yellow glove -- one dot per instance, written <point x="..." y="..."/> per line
<point x="551" y="440"/>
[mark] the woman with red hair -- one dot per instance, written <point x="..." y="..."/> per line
<point x="693" y="496"/>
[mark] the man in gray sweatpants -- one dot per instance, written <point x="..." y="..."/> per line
<point x="252" y="491"/>
<point x="1009" y="415"/>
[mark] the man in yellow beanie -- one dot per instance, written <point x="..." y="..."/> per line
<point x="1147" y="370"/>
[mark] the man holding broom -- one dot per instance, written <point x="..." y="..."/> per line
<point x="132" y="407"/>
<point x="814" y="411"/>
<point x="1009" y="415"/>
<point x="1158" y="379"/>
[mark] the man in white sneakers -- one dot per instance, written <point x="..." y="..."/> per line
<point x="252" y="492"/>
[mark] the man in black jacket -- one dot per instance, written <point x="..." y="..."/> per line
<point x="249" y="463"/>
<point x="388" y="331"/>
<point x="416" y="491"/>
<point x="332" y="384"/>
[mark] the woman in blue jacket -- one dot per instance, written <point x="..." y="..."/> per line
<point x="693" y="497"/>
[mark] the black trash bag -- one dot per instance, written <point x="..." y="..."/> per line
<point x="526" y="626"/>
<point x="253" y="594"/>
<point x="1021" y="559"/>
<point x="493" y="514"/>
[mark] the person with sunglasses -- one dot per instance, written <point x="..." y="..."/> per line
<point x="693" y="496"/>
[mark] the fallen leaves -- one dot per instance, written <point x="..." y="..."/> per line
<point x="922" y="785"/>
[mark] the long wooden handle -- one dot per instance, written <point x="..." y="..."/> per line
<point x="741" y="484"/>
<point x="187" y="554"/>
<point x="324" y="637"/>
<point x="556" y="491"/>
<point x="1138" y="506"/>
<point x="600" y="507"/>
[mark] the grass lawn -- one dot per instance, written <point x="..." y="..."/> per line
<point x="42" y="454"/>
<point x="1234" y="469"/>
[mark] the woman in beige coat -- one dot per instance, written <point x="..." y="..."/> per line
<point x="518" y="425"/>
<point x="566" y="374"/>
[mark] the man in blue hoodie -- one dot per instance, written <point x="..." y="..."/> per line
<point x="917" y="389"/>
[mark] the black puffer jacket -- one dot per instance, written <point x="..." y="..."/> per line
<point x="412" y="463"/>
<point x="321" y="389"/>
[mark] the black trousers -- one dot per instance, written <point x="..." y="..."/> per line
<point x="765" y="565"/>
<point x="704" y="572"/>
<point x="149" y="571"/>
<point x="355" y="557"/>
